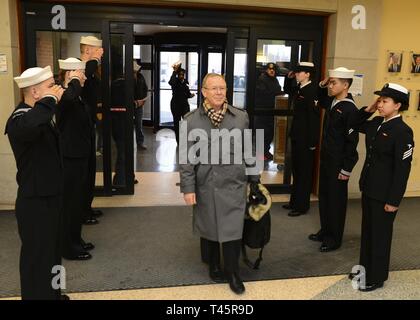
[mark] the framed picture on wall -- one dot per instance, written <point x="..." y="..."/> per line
<point x="415" y="63"/>
<point x="394" y="61"/>
<point x="418" y="108"/>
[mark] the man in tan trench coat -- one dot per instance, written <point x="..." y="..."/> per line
<point x="213" y="181"/>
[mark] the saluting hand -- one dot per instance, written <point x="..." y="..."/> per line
<point x="190" y="199"/>
<point x="56" y="91"/>
<point x="79" y="74"/>
<point x="325" y="82"/>
<point x="291" y="75"/>
<point x="391" y="209"/>
<point x="373" y="107"/>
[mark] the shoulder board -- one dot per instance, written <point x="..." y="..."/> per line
<point x="189" y="113"/>
<point x="19" y="112"/>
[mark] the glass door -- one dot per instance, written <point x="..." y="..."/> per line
<point x="118" y="106"/>
<point x="189" y="62"/>
<point x="271" y="56"/>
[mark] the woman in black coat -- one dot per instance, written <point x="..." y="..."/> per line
<point x="389" y="151"/>
<point x="180" y="95"/>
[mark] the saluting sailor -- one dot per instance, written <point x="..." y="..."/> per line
<point x="75" y="126"/>
<point x="91" y="52"/>
<point x="304" y="134"/>
<point x="389" y="151"/>
<point x="34" y="140"/>
<point x="338" y="156"/>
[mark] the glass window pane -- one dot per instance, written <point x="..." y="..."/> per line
<point x="215" y="63"/>
<point x="165" y="106"/>
<point x="192" y="70"/>
<point x="167" y="59"/>
<point x="240" y="73"/>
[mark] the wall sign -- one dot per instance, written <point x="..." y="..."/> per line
<point x="3" y="63"/>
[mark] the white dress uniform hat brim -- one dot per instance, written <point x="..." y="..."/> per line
<point x="72" y="64"/>
<point x="33" y="76"/>
<point x="341" y="73"/>
<point x="91" y="41"/>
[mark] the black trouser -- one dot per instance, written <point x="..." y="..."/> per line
<point x="75" y="188"/>
<point x="138" y="124"/>
<point x="266" y="123"/>
<point x="39" y="221"/>
<point x="231" y="254"/>
<point x="91" y="178"/>
<point x="375" y="249"/>
<point x="178" y="111"/>
<point x="302" y="169"/>
<point x="332" y="206"/>
<point x="118" y="134"/>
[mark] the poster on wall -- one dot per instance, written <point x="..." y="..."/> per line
<point x="356" y="88"/>
<point x="394" y="61"/>
<point x="3" y="63"/>
<point x="415" y="63"/>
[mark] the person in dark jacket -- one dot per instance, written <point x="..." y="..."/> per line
<point x="338" y="156"/>
<point x="383" y="181"/>
<point x="304" y="134"/>
<point x="140" y="96"/>
<point x="33" y="137"/>
<point x="75" y="126"/>
<point x="217" y="191"/>
<point x="91" y="52"/>
<point x="267" y="88"/>
<point x="180" y="95"/>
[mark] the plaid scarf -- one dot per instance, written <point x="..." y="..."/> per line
<point x="215" y="117"/>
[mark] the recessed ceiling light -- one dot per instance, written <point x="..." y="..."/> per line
<point x="172" y="26"/>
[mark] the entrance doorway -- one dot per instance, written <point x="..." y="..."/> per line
<point x="235" y="44"/>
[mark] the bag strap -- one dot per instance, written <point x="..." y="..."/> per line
<point x="253" y="265"/>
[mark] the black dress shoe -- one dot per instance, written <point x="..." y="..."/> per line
<point x="327" y="248"/>
<point x="64" y="297"/>
<point x="315" y="237"/>
<point x="371" y="287"/>
<point x="287" y="207"/>
<point x="91" y="221"/>
<point x="97" y="213"/>
<point x="295" y="213"/>
<point x="81" y="256"/>
<point x="88" y="246"/>
<point x="216" y="274"/>
<point x="235" y="283"/>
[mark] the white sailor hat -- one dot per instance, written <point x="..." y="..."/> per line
<point x="341" y="73"/>
<point x="304" y="66"/>
<point x="33" y="76"/>
<point x="396" y="92"/>
<point x="136" y="66"/>
<point x="91" y="41"/>
<point x="71" y="64"/>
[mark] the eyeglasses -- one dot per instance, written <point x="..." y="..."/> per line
<point x="215" y="89"/>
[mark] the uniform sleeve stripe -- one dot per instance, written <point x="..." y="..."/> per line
<point x="351" y="131"/>
<point x="407" y="154"/>
<point x="409" y="151"/>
